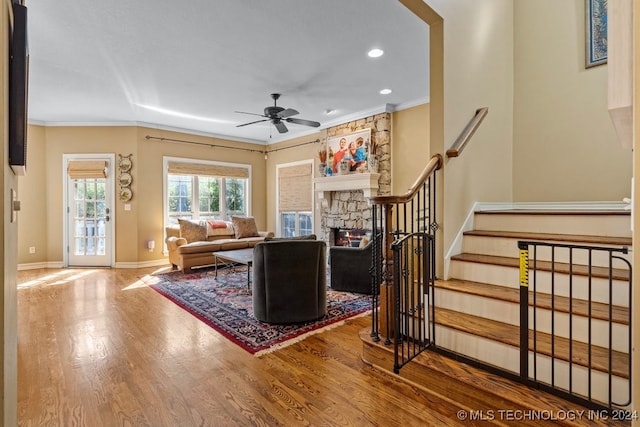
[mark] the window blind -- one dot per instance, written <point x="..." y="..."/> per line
<point x="200" y="169"/>
<point x="295" y="188"/>
<point x="79" y="169"/>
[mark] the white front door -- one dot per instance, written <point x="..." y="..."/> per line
<point x="89" y="224"/>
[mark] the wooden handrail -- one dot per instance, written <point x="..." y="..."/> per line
<point x="434" y="164"/>
<point x="467" y="133"/>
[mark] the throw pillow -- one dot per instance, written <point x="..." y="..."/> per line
<point x="192" y="231"/>
<point x="244" y="226"/>
<point x="276" y="239"/>
<point x="217" y="223"/>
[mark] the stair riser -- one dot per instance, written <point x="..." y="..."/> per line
<point x="508" y="358"/>
<point x="510" y="277"/>
<point x="508" y="247"/>
<point x="589" y="225"/>
<point x="508" y="312"/>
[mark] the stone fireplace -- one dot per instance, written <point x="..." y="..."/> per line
<point x="343" y="198"/>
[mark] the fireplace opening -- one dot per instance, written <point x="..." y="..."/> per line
<point x="349" y="237"/>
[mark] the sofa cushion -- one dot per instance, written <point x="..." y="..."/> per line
<point x="192" y="231"/>
<point x="244" y="226"/>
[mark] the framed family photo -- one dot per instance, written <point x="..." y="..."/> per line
<point x="348" y="153"/>
<point x="596" y="34"/>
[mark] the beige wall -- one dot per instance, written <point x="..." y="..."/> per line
<point x="409" y="146"/>
<point x="471" y="56"/>
<point x="42" y="192"/>
<point x="8" y="234"/>
<point x="33" y="232"/>
<point x="565" y="146"/>
<point x="43" y="196"/>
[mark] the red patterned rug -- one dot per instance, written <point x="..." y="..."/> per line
<point x="225" y="305"/>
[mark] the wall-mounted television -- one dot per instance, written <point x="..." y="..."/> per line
<point x="18" y="90"/>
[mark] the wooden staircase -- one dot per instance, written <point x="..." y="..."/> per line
<point x="477" y="308"/>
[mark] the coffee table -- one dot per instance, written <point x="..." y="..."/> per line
<point x="237" y="256"/>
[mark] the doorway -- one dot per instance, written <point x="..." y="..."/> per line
<point x="89" y="200"/>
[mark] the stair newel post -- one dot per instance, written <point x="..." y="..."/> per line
<point x="386" y="287"/>
<point x="524" y="310"/>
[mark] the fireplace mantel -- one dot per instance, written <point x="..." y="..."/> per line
<point x="367" y="182"/>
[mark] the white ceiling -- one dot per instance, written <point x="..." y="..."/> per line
<point x="97" y="62"/>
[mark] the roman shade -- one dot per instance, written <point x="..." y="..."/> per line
<point x="201" y="169"/>
<point x="82" y="169"/>
<point x="295" y="189"/>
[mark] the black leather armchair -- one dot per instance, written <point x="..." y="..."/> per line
<point x="350" y="268"/>
<point x="289" y="281"/>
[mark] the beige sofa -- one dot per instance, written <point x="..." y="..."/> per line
<point x="188" y="250"/>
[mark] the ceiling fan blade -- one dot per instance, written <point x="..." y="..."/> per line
<point x="303" y="122"/>
<point x="280" y="126"/>
<point x="250" y="123"/>
<point x="253" y="114"/>
<point x="287" y="113"/>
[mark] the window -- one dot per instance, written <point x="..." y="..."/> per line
<point x="295" y="199"/>
<point x="194" y="190"/>
<point x="296" y="224"/>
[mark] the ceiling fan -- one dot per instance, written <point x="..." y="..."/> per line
<point x="278" y="115"/>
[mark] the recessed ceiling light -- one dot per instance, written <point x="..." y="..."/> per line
<point x="375" y="53"/>
<point x="385" y="91"/>
<point x="329" y="111"/>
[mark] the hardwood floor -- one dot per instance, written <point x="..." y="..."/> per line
<point x="97" y="347"/>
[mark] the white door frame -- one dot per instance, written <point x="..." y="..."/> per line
<point x="111" y="243"/>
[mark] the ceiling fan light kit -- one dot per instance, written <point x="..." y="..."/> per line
<point x="278" y="115"/>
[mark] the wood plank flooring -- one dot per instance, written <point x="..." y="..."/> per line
<point x="97" y="347"/>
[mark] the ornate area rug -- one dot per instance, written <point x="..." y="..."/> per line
<point x="225" y="304"/>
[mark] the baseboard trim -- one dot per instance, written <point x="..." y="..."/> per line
<point x="456" y="245"/>
<point x="144" y="264"/>
<point x="553" y="206"/>
<point x="39" y="265"/>
<point x="60" y="264"/>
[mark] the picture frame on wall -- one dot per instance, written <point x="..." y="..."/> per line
<point x="349" y="153"/>
<point x="596" y="32"/>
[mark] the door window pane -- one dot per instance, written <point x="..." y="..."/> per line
<point x="89" y="208"/>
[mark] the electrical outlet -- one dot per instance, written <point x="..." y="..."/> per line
<point x="32" y="249"/>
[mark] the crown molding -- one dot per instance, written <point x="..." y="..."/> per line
<point x="384" y="108"/>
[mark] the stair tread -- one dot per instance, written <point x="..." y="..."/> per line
<point x="577" y="238"/>
<point x="510" y="335"/>
<point x="448" y="376"/>
<point x="580" y="307"/>
<point x="560" y="267"/>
